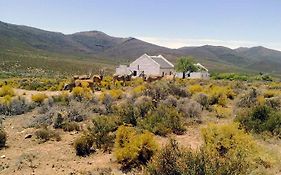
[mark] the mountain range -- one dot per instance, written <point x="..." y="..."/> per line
<point x="30" y="47"/>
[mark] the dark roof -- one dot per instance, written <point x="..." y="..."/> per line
<point x="162" y="61"/>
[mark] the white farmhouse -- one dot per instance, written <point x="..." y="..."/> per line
<point x="202" y="73"/>
<point x="148" y="65"/>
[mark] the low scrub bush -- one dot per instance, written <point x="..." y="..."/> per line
<point x="194" y="89"/>
<point x="202" y="99"/>
<point x="83" y="145"/>
<point x="58" y="121"/>
<point x="222" y="112"/>
<point x="39" y="98"/>
<point x="44" y="134"/>
<point x="217" y="95"/>
<point x="63" y="98"/>
<point x="70" y="126"/>
<point x="107" y="100"/>
<point x="142" y="106"/>
<point x="81" y="93"/>
<point x="127" y="112"/>
<point x="3" y="137"/>
<point x="14" y="106"/>
<point x="274" y="102"/>
<point x="138" y="90"/>
<point x="177" y="91"/>
<point x="163" y="120"/>
<point x="7" y="90"/>
<point x="102" y="131"/>
<point x="226" y="150"/>
<point x="133" y="149"/>
<point x="170" y="101"/>
<point x="157" y="90"/>
<point x="45" y="119"/>
<point x="261" y="119"/>
<point x="189" y="108"/>
<point x="116" y="93"/>
<point x="249" y="99"/>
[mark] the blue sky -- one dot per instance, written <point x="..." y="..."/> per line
<point x="171" y="23"/>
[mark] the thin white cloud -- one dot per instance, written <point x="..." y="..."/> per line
<point x="181" y="42"/>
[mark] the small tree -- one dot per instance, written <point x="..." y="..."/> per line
<point x="185" y="64"/>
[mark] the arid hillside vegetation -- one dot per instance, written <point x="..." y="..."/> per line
<point x="168" y="127"/>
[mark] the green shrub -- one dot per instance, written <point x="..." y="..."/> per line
<point x="62" y="98"/>
<point x="107" y="101"/>
<point x="170" y="101"/>
<point x="260" y="119"/>
<point x="83" y="145"/>
<point x="70" y="126"/>
<point x="202" y="99"/>
<point x="58" y="122"/>
<point x="133" y="149"/>
<point x="163" y="120"/>
<point x="142" y="106"/>
<point x="165" y="162"/>
<point x="230" y="148"/>
<point x="103" y="131"/>
<point x="3" y="138"/>
<point x="226" y="150"/>
<point x="45" y="134"/>
<point x="7" y="90"/>
<point x="127" y="112"/>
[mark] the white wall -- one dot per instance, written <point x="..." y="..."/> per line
<point x="166" y="71"/>
<point x="146" y="64"/>
<point x="122" y="70"/>
<point x="195" y="75"/>
<point x="199" y="75"/>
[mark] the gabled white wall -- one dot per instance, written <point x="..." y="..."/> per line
<point x="146" y="64"/>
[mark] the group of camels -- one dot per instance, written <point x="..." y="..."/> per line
<point x="93" y="80"/>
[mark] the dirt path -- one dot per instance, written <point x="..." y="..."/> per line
<point x="27" y="156"/>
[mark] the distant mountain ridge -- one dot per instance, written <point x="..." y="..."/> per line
<point x="102" y="47"/>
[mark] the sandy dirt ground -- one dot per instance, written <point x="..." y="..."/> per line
<point x="25" y="156"/>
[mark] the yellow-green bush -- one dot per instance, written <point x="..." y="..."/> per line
<point x="222" y="112"/>
<point x="116" y="93"/>
<point x="217" y="95"/>
<point x="132" y="149"/>
<point x="195" y="89"/>
<point x="7" y="90"/>
<point x="138" y="89"/>
<point x="261" y="119"/>
<point x="136" y="82"/>
<point x="82" y="92"/>
<point x="231" y="147"/>
<point x="226" y="150"/>
<point x="39" y="97"/>
<point x="6" y="100"/>
<point x="271" y="93"/>
<point x="63" y="97"/>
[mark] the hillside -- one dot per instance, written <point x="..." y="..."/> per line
<point x="25" y="47"/>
